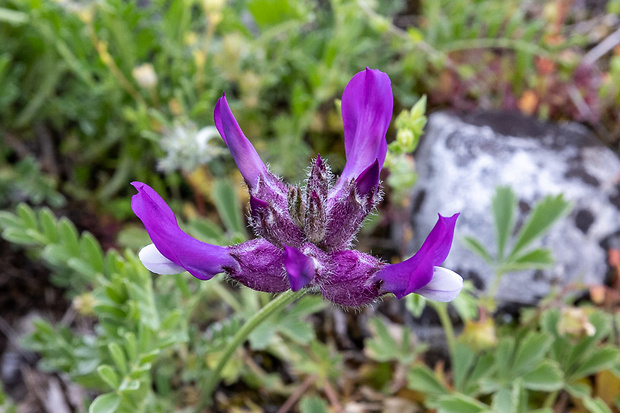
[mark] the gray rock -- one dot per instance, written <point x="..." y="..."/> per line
<point x="460" y="162"/>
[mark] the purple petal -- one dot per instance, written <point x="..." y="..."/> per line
<point x="369" y="179"/>
<point x="367" y="105"/>
<point x="249" y="163"/>
<point x="416" y="272"/>
<point x="299" y="267"/>
<point x="202" y="260"/>
<point x="445" y="285"/>
<point x="256" y="204"/>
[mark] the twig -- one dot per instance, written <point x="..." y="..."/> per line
<point x="603" y="47"/>
<point x="8" y="331"/>
<point x="290" y="402"/>
<point x="331" y="395"/>
<point x="579" y="102"/>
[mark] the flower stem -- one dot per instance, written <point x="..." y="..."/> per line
<point x="273" y="306"/>
<point x="444" y="318"/>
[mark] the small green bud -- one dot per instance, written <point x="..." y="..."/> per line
<point x="84" y="304"/>
<point x="419" y="109"/>
<point x="405" y="138"/>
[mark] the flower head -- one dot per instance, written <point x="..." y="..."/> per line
<point x="305" y="233"/>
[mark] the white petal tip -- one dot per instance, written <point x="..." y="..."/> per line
<point x="445" y="286"/>
<point x="155" y="262"/>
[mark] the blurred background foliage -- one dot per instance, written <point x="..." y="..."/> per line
<point x="95" y="94"/>
<point x="92" y="88"/>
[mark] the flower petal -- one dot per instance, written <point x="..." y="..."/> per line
<point x="368" y="179"/>
<point x="155" y="262"/>
<point x="367" y="105"/>
<point x="249" y="163"/>
<point x="445" y="285"/>
<point x="299" y="268"/>
<point x="416" y="272"/>
<point x="202" y="260"/>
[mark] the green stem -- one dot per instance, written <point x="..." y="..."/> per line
<point x="273" y="306"/>
<point x="486" y="43"/>
<point x="550" y="399"/>
<point x="489" y="299"/>
<point x="444" y="318"/>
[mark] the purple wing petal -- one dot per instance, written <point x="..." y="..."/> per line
<point x="416" y="272"/>
<point x="367" y="105"/>
<point x="249" y="163"/>
<point x="202" y="260"/>
<point x="300" y="268"/>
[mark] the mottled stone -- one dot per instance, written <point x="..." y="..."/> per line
<point x="463" y="158"/>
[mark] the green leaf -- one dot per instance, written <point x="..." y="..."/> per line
<point x="596" y="405"/>
<point x="227" y="204"/>
<point x="9" y="220"/>
<point x="422" y="379"/>
<point x="475" y="246"/>
<point x="118" y="356"/>
<point x="207" y="230"/>
<point x="313" y="404"/>
<point x="532" y="349"/>
<point x="484" y="366"/>
<point x="460" y="403"/>
<point x="13" y="17"/>
<point x="91" y="251"/>
<point x="415" y="304"/>
<point x="105" y="403"/>
<point x="28" y="217"/>
<point x="466" y="304"/>
<point x="48" y="224"/>
<point x="131" y="345"/>
<point x="578" y="390"/>
<point x="599" y="359"/>
<point x="503" y="401"/>
<point x="464" y="359"/>
<point x="382" y="346"/>
<point x="549" y="321"/>
<point x="504" y="354"/>
<point x="69" y="236"/>
<point x="534" y="259"/>
<point x="547" y="376"/>
<point x="19" y="236"/>
<point x="544" y="215"/>
<point x="129" y="385"/>
<point x="83" y="268"/>
<point x="150" y="356"/>
<point x="504" y="205"/>
<point x="108" y="375"/>
<point x="143" y="296"/>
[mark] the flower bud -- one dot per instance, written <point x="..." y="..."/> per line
<point x="84" y="304"/>
<point x="574" y="323"/>
<point x="296" y="206"/>
<point x="480" y="335"/>
<point x="145" y="76"/>
<point x="316" y="219"/>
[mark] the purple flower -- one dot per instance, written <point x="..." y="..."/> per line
<point x="305" y="233"/>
